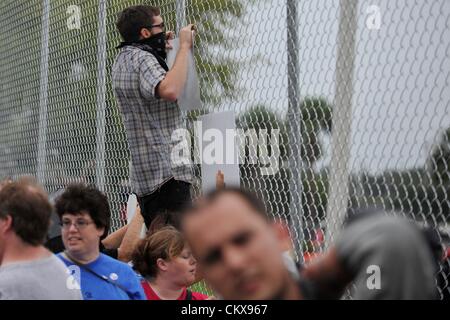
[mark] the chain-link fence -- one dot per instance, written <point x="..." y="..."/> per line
<point x="359" y="91"/>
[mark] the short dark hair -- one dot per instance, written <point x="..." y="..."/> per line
<point x="28" y="206"/>
<point x="248" y="196"/>
<point x="132" y="19"/>
<point x="78" y="198"/>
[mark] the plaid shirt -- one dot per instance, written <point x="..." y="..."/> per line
<point x="149" y="121"/>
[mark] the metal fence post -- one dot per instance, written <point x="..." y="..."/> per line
<point x="43" y="97"/>
<point x="101" y="96"/>
<point x="294" y="119"/>
<point x="341" y="133"/>
<point x="180" y="12"/>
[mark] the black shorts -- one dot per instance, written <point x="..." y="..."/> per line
<point x="168" y="201"/>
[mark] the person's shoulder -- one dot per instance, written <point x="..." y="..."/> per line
<point x="51" y="260"/>
<point x="105" y="259"/>
<point x="10" y="274"/>
<point x="61" y="257"/>
<point x="130" y="56"/>
<point x="6" y="276"/>
<point x="57" y="261"/>
<point x="131" y="52"/>
<point x="6" y="290"/>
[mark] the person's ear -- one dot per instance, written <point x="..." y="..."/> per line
<point x="5" y="224"/>
<point x="100" y="231"/>
<point x="145" y="33"/>
<point x="162" y="264"/>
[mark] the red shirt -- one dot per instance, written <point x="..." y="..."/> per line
<point x="151" y="295"/>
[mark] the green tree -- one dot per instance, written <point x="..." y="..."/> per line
<point x="421" y="193"/>
<point x="273" y="189"/>
<point x="439" y="161"/>
<point x="438" y="167"/>
<point x="315" y="118"/>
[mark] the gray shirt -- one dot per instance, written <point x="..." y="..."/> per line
<point x="151" y="123"/>
<point x="389" y="259"/>
<point x="43" y="279"/>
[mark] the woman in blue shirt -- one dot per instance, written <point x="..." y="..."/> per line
<point x="84" y="213"/>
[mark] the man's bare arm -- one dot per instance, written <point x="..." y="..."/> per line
<point x="220" y="180"/>
<point x="131" y="238"/>
<point x="114" y="240"/>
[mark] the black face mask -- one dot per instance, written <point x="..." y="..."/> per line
<point x="158" y="43"/>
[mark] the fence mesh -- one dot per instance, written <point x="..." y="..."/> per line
<point x="359" y="91"/>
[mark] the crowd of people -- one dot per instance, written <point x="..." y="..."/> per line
<point x="226" y="238"/>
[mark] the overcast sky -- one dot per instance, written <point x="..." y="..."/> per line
<point x="401" y="100"/>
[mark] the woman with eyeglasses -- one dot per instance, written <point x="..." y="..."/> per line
<point x="167" y="266"/>
<point x="84" y="213"/>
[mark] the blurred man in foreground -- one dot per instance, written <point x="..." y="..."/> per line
<point x="239" y="253"/>
<point x="238" y="249"/>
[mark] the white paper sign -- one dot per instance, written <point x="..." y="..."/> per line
<point x="190" y="97"/>
<point x="131" y="207"/>
<point x="219" y="149"/>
